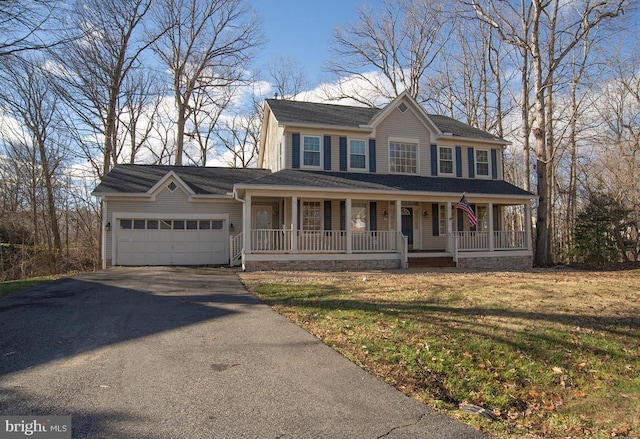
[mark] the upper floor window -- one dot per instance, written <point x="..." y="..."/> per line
<point x="403" y="158"/>
<point x="482" y="162"/>
<point x="357" y="154"/>
<point x="311" y="151"/>
<point x="311" y="215"/>
<point x="445" y="160"/>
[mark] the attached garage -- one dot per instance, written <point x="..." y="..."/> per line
<point x="170" y="215"/>
<point x="146" y="241"/>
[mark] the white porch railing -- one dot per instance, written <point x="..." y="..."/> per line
<point x="510" y="240"/>
<point x="321" y="241"/>
<point x="270" y="240"/>
<point x="235" y="248"/>
<point x="373" y="242"/>
<point x="472" y="240"/>
<point x="502" y="240"/>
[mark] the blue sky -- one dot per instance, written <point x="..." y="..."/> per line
<point x="301" y="30"/>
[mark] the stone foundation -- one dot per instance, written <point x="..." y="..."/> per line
<point x="320" y="265"/>
<point x="497" y="263"/>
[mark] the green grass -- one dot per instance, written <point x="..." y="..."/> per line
<point x="551" y="355"/>
<point x="13" y="286"/>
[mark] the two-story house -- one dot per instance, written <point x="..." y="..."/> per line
<point x="338" y="187"/>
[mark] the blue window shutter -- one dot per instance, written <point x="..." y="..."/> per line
<point x="299" y="204"/>
<point x="494" y="164"/>
<point x="434" y="160"/>
<point x="373" y="216"/>
<point x="372" y="155"/>
<point x="327" y="214"/>
<point x="460" y="215"/>
<point x="343" y="153"/>
<point x="435" y="218"/>
<point x="327" y="153"/>
<point x="458" y="161"/>
<point x="295" y="150"/>
<point x="343" y="216"/>
<point x="472" y="166"/>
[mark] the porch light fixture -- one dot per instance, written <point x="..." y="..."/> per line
<point x="231" y="227"/>
<point x="107" y="226"/>
<point x="385" y="214"/>
<point x="425" y="214"/>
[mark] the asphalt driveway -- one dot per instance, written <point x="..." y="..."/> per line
<point x="188" y="353"/>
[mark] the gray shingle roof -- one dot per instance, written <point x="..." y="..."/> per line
<point x="325" y="114"/>
<point x="298" y="112"/>
<point x="136" y="179"/>
<point x="387" y="182"/>
<point x="459" y="129"/>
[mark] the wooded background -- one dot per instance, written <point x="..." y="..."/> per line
<point x="89" y="84"/>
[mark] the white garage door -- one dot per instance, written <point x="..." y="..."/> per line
<point x="171" y="242"/>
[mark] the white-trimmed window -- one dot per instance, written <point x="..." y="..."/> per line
<point x="357" y="154"/>
<point x="445" y="160"/>
<point x="482" y="162"/>
<point x="442" y="219"/>
<point x="359" y="216"/>
<point x="311" y="216"/>
<point x="482" y="217"/>
<point x="311" y="151"/>
<point x="403" y="158"/>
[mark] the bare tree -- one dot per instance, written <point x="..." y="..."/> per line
<point x="93" y="71"/>
<point x="287" y="77"/>
<point x="207" y="45"/>
<point x="555" y="29"/>
<point x="30" y="25"/>
<point x="30" y="100"/>
<point x="402" y="42"/>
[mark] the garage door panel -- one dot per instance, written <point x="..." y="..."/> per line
<point x="162" y="245"/>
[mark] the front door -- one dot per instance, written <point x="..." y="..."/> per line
<point x="407" y="224"/>
<point x="262" y="225"/>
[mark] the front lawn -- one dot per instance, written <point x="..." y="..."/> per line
<point x="550" y="354"/>
<point x="11" y="286"/>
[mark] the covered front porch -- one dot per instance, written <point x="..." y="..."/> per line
<point x="356" y="231"/>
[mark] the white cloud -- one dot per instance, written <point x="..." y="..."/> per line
<point x="371" y="86"/>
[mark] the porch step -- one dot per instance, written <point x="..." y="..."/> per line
<point x="434" y="262"/>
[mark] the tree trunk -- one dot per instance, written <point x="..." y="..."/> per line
<point x="542" y="224"/>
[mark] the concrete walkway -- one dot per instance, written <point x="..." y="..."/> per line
<point x="188" y="353"/>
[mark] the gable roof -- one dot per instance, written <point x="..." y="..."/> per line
<point x="304" y="113"/>
<point x="140" y="179"/>
<point x="345" y="116"/>
<point x="296" y="178"/>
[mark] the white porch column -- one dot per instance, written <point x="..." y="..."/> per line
<point x="490" y="228"/>
<point x="347" y="223"/>
<point x="294" y="224"/>
<point x="246" y="224"/>
<point x="449" y="217"/>
<point x="398" y="216"/>
<point x="527" y="226"/>
<point x="103" y="234"/>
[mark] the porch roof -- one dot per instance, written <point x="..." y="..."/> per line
<point x="301" y="179"/>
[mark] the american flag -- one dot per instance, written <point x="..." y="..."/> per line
<point x="464" y="205"/>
